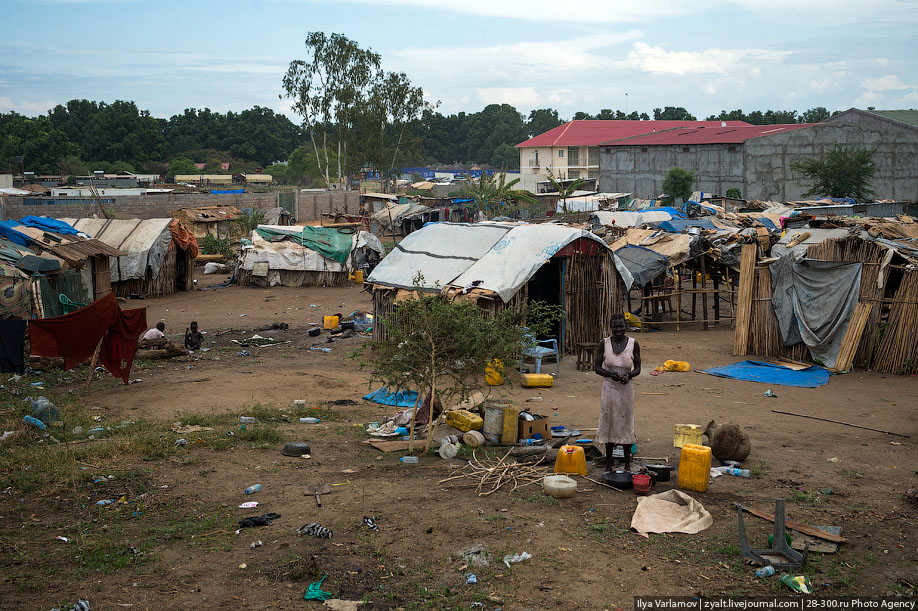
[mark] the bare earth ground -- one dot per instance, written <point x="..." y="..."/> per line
<point x="181" y="504"/>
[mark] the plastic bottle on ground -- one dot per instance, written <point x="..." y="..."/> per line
<point x="309" y="420"/>
<point x="253" y="489"/>
<point x="737" y="472"/>
<point x="248" y="419"/>
<point x="410" y="460"/>
<point x="34" y="422"/>
<point x="765" y="571"/>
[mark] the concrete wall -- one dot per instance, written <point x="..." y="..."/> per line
<point x="309" y="206"/>
<point x="640" y="170"/>
<point x="767" y="159"/>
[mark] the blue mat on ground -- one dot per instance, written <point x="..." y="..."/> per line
<point x="402" y="398"/>
<point x="757" y="371"/>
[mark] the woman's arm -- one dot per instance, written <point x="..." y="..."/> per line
<point x="636" y="357"/>
<point x="597" y="363"/>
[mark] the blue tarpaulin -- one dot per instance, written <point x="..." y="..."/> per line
<point x="673" y="212"/>
<point x="680" y="225"/>
<point x="226" y="191"/>
<point x="402" y="398"/>
<point x="757" y="371"/>
<point x="46" y="224"/>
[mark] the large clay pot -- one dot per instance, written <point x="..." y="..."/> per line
<point x="728" y="441"/>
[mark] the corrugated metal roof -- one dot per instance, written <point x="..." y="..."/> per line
<point x="592" y="133"/>
<point x="905" y="116"/>
<point x="71" y="248"/>
<point x="708" y="135"/>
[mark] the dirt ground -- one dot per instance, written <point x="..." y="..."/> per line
<point x="181" y="504"/>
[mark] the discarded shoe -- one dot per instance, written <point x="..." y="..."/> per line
<point x="314" y="529"/>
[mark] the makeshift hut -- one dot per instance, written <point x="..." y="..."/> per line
<point x="841" y="301"/>
<point x="305" y="255"/>
<point x="159" y="254"/>
<point x="67" y="269"/>
<point x="500" y="265"/>
<point x="217" y="221"/>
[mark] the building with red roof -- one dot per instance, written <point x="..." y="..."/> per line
<point x="571" y="150"/>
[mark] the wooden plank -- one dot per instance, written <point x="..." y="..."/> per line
<point x="852" y="337"/>
<point x="744" y="302"/>
<point x="799" y="527"/>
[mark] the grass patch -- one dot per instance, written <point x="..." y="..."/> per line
<point x="852" y="473"/>
<point x="805" y="498"/>
<point x="538" y="497"/>
<point x="606" y="532"/>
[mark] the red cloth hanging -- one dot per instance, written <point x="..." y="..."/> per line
<point x="74" y="336"/>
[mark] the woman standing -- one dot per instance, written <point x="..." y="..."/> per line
<point x="618" y="361"/>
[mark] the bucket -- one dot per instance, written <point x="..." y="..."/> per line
<point x="493" y="426"/>
<point x="641" y="483"/>
<point x="448" y="450"/>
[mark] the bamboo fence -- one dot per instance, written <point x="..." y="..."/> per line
<point x="165" y="282"/>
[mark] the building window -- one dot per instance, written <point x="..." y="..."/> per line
<point x="574" y="174"/>
<point x="560" y="153"/>
<point x="685" y="149"/>
<point x="593" y="174"/>
<point x="731" y="149"/>
<point x="593" y="155"/>
<point x="573" y="156"/>
<point x="643" y="149"/>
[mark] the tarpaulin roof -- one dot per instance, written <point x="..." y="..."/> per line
<point x="501" y="256"/>
<point x="283" y="248"/>
<point x="327" y="241"/>
<point x="207" y="214"/>
<point x="55" y="237"/>
<point x="680" y="225"/>
<point x="643" y="263"/>
<point x="675" y="247"/>
<point x="626" y="218"/>
<point x="145" y="243"/>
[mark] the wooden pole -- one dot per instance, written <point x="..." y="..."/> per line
<point x="704" y="295"/>
<point x="92" y="364"/>
<point x="678" y="297"/>
<point x="857" y="426"/>
<point x="744" y="304"/>
<point x="717" y="273"/>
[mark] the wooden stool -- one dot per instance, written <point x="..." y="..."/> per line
<point x="586" y="354"/>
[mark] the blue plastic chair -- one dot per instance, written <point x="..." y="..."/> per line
<point x="537" y="349"/>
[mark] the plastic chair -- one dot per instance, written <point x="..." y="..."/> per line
<point x="68" y="306"/>
<point x="537" y="349"/>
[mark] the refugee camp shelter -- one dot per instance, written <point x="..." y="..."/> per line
<point x="159" y="254"/>
<point x="70" y="270"/>
<point x="844" y="301"/>
<point x="500" y="265"/>
<point x="304" y="255"/>
<point x="217" y="221"/>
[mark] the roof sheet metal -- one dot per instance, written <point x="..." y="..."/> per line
<point x="905" y="116"/>
<point x="708" y="135"/>
<point x="593" y="133"/>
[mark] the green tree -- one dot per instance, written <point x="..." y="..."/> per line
<point x="72" y="165"/>
<point x="678" y="184"/>
<point x="36" y="140"/>
<point x="841" y="172"/>
<point x="278" y="171"/>
<point x="672" y="113"/>
<point x="495" y="196"/>
<point x="506" y="156"/>
<point x="182" y="165"/>
<point x="304" y="166"/>
<point x="541" y="120"/>
<point x="328" y="89"/>
<point x="564" y="191"/>
<point x="815" y="115"/>
<point x="442" y="348"/>
<point x="734" y="193"/>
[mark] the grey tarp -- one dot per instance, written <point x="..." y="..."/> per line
<point x="145" y="243"/>
<point x="644" y="264"/>
<point x="813" y="302"/>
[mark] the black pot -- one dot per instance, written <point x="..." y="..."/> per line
<point x="662" y="472"/>
<point x="618" y="479"/>
<point x="348" y="325"/>
<point x="314" y="332"/>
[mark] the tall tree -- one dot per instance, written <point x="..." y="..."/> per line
<point x="672" y="113"/>
<point x="541" y="120"/>
<point x="328" y="89"/>
<point x="506" y="156"/>
<point x="36" y="140"/>
<point x="678" y="183"/>
<point x="814" y="115"/>
<point x="564" y="191"/>
<point x="841" y="172"/>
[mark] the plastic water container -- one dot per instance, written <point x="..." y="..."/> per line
<point x="737" y="472"/>
<point x="464" y="420"/>
<point x="44" y="410"/>
<point x="248" y="419"/>
<point x="34" y="422"/>
<point x="309" y="420"/>
<point x="765" y="571"/>
<point x="330" y="322"/>
<point x="253" y="489"/>
<point x="494" y="373"/>
<point x="694" y="467"/>
<point x="571" y="459"/>
<point x="408" y="460"/>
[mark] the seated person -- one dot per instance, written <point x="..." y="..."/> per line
<point x="156" y="332"/>
<point x="193" y="338"/>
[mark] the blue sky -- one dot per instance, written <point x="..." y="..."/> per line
<point x="705" y="55"/>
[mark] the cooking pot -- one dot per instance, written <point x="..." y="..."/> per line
<point x="618" y="479"/>
<point x="662" y="472"/>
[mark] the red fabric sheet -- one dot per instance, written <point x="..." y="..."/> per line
<point x="74" y="336"/>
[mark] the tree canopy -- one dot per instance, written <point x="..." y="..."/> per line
<point x="841" y="172"/>
<point x="678" y="183"/>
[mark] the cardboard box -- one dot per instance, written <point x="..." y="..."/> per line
<point x="530" y="428"/>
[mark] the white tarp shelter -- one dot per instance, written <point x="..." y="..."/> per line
<point x="145" y="241"/>
<point x="624" y="218"/>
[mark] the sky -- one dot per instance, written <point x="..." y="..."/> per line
<point x="570" y="55"/>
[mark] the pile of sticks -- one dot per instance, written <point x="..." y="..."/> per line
<point x="493" y="475"/>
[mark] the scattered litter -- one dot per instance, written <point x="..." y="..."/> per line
<point x="256" y="544"/>
<point x="253" y="489"/>
<point x="81" y="605"/>
<point x="770" y="394"/>
<point x="249" y="505"/>
<point x="248" y="419"/>
<point x="244" y="353"/>
<point x="315" y="591"/>
<point x="476" y="556"/>
<point x="34" y="422"/>
<point x="533" y="399"/>
<point x="833" y="459"/>
<point x="314" y="529"/>
<point x="262" y="520"/>
<point x="319" y="349"/>
<point x="798" y="584"/>
<point x="106" y="501"/>
<point x="339" y="604"/>
<point x="243" y="565"/>
<point x="516" y="558"/>
<point x="180" y="442"/>
<point x="471" y="578"/>
<point x="242" y="315"/>
<point x="7" y="434"/>
<point x="136" y="381"/>
<point x="371" y="524"/>
<point x="64" y="539"/>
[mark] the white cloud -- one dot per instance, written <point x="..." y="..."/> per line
<point x="889" y="82"/>
<point x="907" y="100"/>
<point x="656" y="59"/>
<point x="868" y="98"/>
<point x="520" y="97"/>
<point x="27" y="107"/>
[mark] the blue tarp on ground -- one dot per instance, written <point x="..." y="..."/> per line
<point x="402" y="398"/>
<point x="757" y="371"/>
